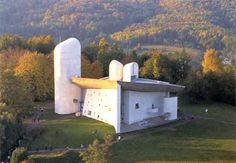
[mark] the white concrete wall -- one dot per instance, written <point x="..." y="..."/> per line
<point x="104" y="105"/>
<point x="67" y="58"/>
<point x="145" y="101"/>
<point x="115" y="70"/>
<point x="170" y="105"/>
<point x="130" y="71"/>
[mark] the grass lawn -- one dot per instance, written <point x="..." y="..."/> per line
<point x="70" y="132"/>
<point x="202" y="140"/>
<point x="197" y="141"/>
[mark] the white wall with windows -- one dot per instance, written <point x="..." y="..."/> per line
<point x="103" y="105"/>
<point x="137" y="106"/>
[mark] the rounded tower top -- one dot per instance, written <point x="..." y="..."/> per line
<point x="115" y="70"/>
<point x="130" y="71"/>
<point x="68" y="48"/>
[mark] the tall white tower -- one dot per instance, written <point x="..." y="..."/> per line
<point x="67" y="64"/>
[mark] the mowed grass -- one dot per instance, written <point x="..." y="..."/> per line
<point x="203" y="140"/>
<point x="216" y="111"/>
<point x="70" y="132"/>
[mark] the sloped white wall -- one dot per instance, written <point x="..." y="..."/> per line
<point x="67" y="64"/>
<point x="103" y="105"/>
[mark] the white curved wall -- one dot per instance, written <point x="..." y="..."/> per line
<point x="130" y="70"/>
<point x="67" y="64"/>
<point x="115" y="70"/>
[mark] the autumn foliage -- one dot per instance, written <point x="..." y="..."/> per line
<point x="91" y="70"/>
<point x="37" y="71"/>
<point x="212" y="62"/>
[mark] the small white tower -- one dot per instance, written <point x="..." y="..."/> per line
<point x="67" y="64"/>
<point x="130" y="72"/>
<point x="115" y="70"/>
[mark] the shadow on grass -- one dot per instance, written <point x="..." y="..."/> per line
<point x="184" y="156"/>
<point x="202" y="140"/>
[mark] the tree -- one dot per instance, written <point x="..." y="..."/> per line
<point x="212" y="62"/>
<point x="156" y="67"/>
<point x="12" y="41"/>
<point x="196" y="88"/>
<point x="13" y="90"/>
<point x="179" y="66"/>
<point x="9" y="59"/>
<point x="130" y="57"/>
<point x="105" y="57"/>
<point x="103" y="45"/>
<point x="12" y="128"/>
<point x="96" y="152"/>
<point x="42" y="44"/>
<point x="37" y="71"/>
<point x="91" y="70"/>
<point x="91" y="51"/>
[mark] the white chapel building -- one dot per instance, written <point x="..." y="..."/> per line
<point x="122" y="100"/>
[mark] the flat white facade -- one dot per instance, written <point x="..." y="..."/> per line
<point x="121" y="99"/>
<point x="137" y="106"/>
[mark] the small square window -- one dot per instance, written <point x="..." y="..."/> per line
<point x="89" y="112"/>
<point x="137" y="106"/>
<point x="75" y="100"/>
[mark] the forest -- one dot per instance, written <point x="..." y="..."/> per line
<point x="199" y="24"/>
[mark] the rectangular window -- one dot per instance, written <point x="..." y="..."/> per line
<point x="89" y="112"/>
<point x="75" y="100"/>
<point x="137" y="106"/>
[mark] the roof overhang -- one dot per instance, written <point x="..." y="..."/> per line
<point x="94" y="83"/>
<point x="148" y="87"/>
<point x="89" y="83"/>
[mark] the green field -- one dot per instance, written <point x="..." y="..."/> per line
<point x="70" y="132"/>
<point x="208" y="139"/>
<point x="211" y="140"/>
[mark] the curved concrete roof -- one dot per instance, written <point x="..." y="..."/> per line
<point x="154" y="86"/>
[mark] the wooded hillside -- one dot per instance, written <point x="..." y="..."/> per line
<point x="190" y="23"/>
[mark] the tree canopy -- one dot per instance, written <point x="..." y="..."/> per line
<point x="37" y="72"/>
<point x="212" y="62"/>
